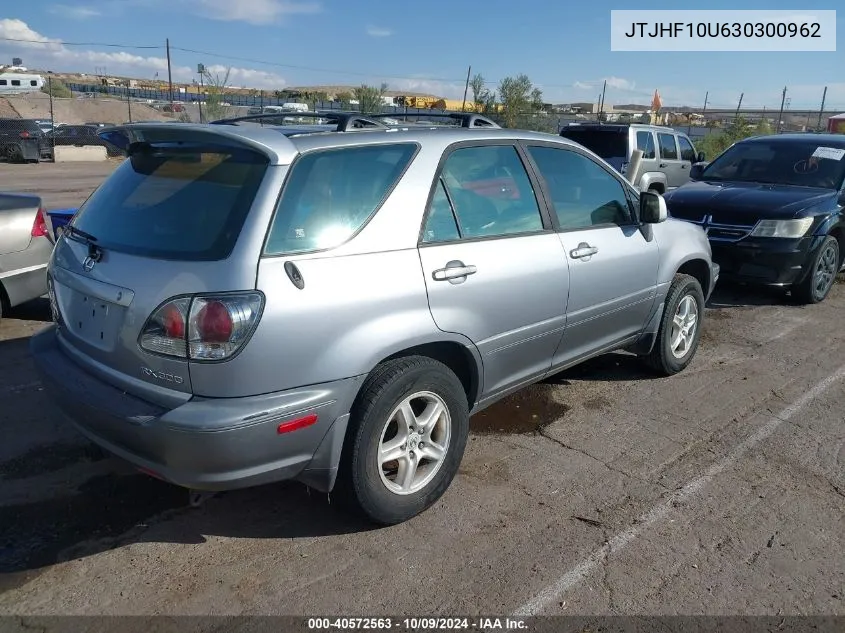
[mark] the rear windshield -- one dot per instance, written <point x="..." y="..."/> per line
<point x="605" y="143"/>
<point x="186" y="204"/>
<point x="331" y="194"/>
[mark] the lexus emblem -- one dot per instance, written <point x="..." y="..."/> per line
<point x="88" y="264"/>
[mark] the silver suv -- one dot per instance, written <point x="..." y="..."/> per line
<point x="668" y="155"/>
<point x="238" y="304"/>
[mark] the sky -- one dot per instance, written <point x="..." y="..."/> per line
<point x="424" y="47"/>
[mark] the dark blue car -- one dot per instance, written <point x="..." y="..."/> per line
<point x="772" y="207"/>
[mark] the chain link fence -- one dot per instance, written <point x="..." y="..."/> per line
<point x="33" y="124"/>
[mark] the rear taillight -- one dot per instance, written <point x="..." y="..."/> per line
<point x="25" y="134"/>
<point x="202" y="328"/>
<point x="39" y="225"/>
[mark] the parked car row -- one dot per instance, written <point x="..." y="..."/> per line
<point x="282" y="302"/>
<point x="771" y="206"/>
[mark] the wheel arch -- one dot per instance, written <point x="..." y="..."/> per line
<point x="700" y="270"/>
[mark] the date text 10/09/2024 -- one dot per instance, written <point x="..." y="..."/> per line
<point x="417" y="624"/>
<point x="723" y="29"/>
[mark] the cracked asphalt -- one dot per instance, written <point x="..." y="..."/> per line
<point x="603" y="490"/>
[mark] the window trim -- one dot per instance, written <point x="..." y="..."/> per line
<point x="627" y="189"/>
<point x="539" y="196"/>
<point x="283" y="188"/>
<point x="675" y="141"/>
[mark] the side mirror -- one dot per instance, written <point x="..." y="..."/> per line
<point x="652" y="208"/>
<point x="701" y="157"/>
<point x="696" y="170"/>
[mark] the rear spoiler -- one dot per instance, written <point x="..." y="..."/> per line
<point x="275" y="146"/>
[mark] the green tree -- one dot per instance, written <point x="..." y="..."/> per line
<point x="476" y="84"/>
<point x="370" y="97"/>
<point x="215" y="90"/>
<point x="518" y="96"/>
<point x="344" y="98"/>
<point x="57" y="89"/>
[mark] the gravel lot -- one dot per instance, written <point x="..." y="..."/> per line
<point x="601" y="491"/>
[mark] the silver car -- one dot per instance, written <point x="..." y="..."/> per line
<point x="237" y="304"/>
<point x="26" y="240"/>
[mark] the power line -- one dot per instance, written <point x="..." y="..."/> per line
<point x="60" y="43"/>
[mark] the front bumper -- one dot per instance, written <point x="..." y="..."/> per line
<point x="766" y="261"/>
<point x="204" y="444"/>
<point x="715" y="273"/>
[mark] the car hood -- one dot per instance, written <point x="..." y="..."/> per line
<point x="742" y="202"/>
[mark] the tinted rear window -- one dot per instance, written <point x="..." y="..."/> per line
<point x="607" y="144"/>
<point x="331" y="194"/>
<point x="175" y="204"/>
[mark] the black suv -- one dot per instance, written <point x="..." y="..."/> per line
<point x="78" y="135"/>
<point x="23" y="140"/>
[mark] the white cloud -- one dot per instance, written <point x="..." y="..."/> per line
<point x="615" y="83"/>
<point x="376" y="31"/>
<point x="73" y="12"/>
<point x="583" y="85"/>
<point x="49" y="54"/>
<point x="256" y="12"/>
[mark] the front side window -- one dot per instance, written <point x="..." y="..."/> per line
<point x="583" y="193"/>
<point x="645" y="143"/>
<point x="331" y="194"/>
<point x="489" y="191"/>
<point x="687" y="150"/>
<point x="668" y="149"/>
<point x="16" y="82"/>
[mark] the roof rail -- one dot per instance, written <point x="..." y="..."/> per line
<point x="343" y="121"/>
<point x="467" y="119"/>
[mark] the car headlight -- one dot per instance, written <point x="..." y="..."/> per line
<point x="782" y="228"/>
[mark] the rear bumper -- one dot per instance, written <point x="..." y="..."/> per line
<point x="766" y="261"/>
<point x="204" y="444"/>
<point x="25" y="276"/>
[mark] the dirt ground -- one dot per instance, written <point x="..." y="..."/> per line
<point x="36" y="105"/>
<point x="603" y="490"/>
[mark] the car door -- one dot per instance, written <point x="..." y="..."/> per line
<point x="612" y="261"/>
<point x="670" y="162"/>
<point x="687" y="157"/>
<point x="494" y="268"/>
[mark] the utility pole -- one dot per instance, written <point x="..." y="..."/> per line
<point x="169" y="74"/>
<point x="201" y="72"/>
<point x="129" y="103"/>
<point x="821" y="110"/>
<point x="739" y="105"/>
<point x="603" y="91"/>
<point x="780" y="116"/>
<point x="466" y="89"/>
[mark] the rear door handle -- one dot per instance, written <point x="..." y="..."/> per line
<point x="584" y="250"/>
<point x="454" y="272"/>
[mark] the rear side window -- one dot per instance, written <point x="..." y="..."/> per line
<point x="187" y="204"/>
<point x="606" y="143"/>
<point x="668" y="149"/>
<point x="645" y="143"/>
<point x="330" y="194"/>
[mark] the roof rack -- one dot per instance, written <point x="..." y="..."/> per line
<point x="343" y="121"/>
<point x="467" y="119"/>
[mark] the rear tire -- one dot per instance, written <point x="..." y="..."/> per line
<point x="415" y="409"/>
<point x="823" y="271"/>
<point x="680" y="327"/>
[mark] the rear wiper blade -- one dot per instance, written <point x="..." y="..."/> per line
<point x="80" y="233"/>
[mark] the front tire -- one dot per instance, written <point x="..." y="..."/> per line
<point x="406" y="439"/>
<point x="819" y="281"/>
<point x="680" y="327"/>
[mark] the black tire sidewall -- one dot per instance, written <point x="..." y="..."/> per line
<point x="681" y="287"/>
<point x="812" y="274"/>
<point x="379" y="503"/>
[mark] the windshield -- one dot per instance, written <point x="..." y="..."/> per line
<point x="801" y="163"/>
<point x="605" y="143"/>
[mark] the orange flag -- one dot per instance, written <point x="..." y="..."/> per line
<point x="656" y="103"/>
